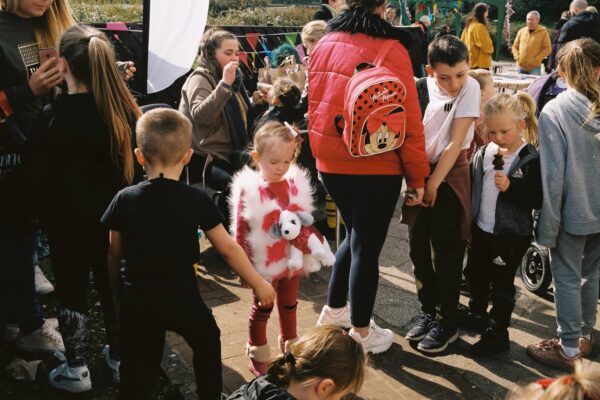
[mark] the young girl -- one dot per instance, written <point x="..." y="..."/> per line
<point x="81" y="154"/>
<point x="258" y="197"/>
<point x="506" y="187"/>
<point x="326" y="364"/>
<point x="570" y="218"/>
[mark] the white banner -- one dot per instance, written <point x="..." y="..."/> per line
<point x="175" y="30"/>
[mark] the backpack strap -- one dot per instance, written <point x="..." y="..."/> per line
<point x="423" y="93"/>
<point x="383" y="52"/>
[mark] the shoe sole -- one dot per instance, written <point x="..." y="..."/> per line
<point x="544" y="361"/>
<point x="345" y="326"/>
<point x="380" y="349"/>
<point x="415" y="338"/>
<point x="68" y="388"/>
<point x="451" y="339"/>
<point x="35" y="349"/>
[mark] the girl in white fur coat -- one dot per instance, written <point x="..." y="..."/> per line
<point x="257" y="199"/>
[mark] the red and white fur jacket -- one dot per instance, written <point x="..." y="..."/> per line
<point x="255" y="221"/>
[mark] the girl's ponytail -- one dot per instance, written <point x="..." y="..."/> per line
<point x="531" y="123"/>
<point x="91" y="60"/>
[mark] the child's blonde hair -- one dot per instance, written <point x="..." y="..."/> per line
<point x="314" y="31"/>
<point x="324" y="352"/>
<point x="583" y="384"/>
<point x="286" y="91"/>
<point x="277" y="130"/>
<point x="577" y="60"/>
<point x="521" y="106"/>
<point x="482" y="76"/>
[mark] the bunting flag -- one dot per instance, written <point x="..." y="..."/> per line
<point x="419" y="10"/>
<point x="253" y="57"/>
<point x="291" y="38"/>
<point x="252" y="39"/>
<point x="267" y="52"/>
<point x="244" y="58"/>
<point x="300" y="50"/>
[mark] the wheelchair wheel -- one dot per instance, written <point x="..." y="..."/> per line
<point x="535" y="269"/>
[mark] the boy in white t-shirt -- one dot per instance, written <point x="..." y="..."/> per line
<point x="439" y="232"/>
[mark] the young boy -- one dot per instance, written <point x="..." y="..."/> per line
<point x="442" y="222"/>
<point x="153" y="226"/>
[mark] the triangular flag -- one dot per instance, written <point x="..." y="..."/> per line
<point x="252" y="39"/>
<point x="291" y="38"/>
<point x="244" y="58"/>
<point x="267" y="52"/>
<point x="300" y="50"/>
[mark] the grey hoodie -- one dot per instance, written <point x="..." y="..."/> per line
<point x="570" y="163"/>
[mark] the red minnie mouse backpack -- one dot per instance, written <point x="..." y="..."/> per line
<point x="374" y="119"/>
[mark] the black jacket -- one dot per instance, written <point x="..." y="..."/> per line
<point x="513" y="207"/>
<point x="585" y="24"/>
<point x="323" y="14"/>
<point x="260" y="389"/>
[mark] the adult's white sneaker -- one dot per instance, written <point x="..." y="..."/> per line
<point x="42" y="284"/>
<point x="335" y="316"/>
<point x="43" y="340"/>
<point x="11" y="331"/>
<point x="113" y="365"/>
<point x="74" y="380"/>
<point x="377" y="340"/>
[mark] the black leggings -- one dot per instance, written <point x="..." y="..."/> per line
<point x="366" y="203"/>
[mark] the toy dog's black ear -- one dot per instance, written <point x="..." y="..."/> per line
<point x="275" y="231"/>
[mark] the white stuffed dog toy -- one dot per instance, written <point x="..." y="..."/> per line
<point x="296" y="227"/>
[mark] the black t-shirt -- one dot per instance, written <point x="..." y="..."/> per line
<point x="159" y="221"/>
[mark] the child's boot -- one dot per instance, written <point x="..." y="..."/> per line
<point x="472" y="321"/>
<point x="258" y="358"/>
<point x="493" y="341"/>
<point x="284" y="345"/>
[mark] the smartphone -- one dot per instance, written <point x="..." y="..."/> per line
<point x="47" y="54"/>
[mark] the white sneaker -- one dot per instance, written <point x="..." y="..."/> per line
<point x="377" y="340"/>
<point x="74" y="380"/>
<point x="11" y="331"/>
<point x="42" y="284"/>
<point x="43" y="340"/>
<point x="113" y="365"/>
<point x="335" y="316"/>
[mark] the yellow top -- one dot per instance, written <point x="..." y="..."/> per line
<point x="479" y="43"/>
<point x="530" y="48"/>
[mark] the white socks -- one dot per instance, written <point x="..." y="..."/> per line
<point x="570" y="351"/>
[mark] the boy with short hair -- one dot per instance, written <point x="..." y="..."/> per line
<point x="153" y="226"/>
<point x="442" y="222"/>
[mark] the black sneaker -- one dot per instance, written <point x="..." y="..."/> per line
<point x="420" y="327"/>
<point x="493" y="341"/>
<point x="474" y="322"/>
<point x="438" y="338"/>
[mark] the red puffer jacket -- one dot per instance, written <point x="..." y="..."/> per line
<point x="332" y="63"/>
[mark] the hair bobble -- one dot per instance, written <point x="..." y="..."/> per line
<point x="289" y="358"/>
<point x="292" y="130"/>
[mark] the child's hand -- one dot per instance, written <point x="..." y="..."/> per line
<point x="502" y="181"/>
<point x="265" y="293"/>
<point x="414" y="197"/>
<point x="430" y="194"/>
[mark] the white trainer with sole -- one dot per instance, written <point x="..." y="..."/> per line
<point x="42" y="284"/>
<point x="377" y="340"/>
<point x="335" y="316"/>
<point x="74" y="380"/>
<point x="113" y="365"/>
<point x="43" y="340"/>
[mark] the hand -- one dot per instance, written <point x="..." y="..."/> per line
<point x="502" y="182"/>
<point x="130" y="69"/>
<point x="265" y="293"/>
<point x="229" y="72"/>
<point x="416" y="198"/>
<point x="45" y="78"/>
<point x="430" y="194"/>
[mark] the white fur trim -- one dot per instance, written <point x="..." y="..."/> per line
<point x="259" y="353"/>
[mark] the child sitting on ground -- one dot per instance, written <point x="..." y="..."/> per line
<point x="325" y="363"/>
<point x="153" y="225"/>
<point x="506" y="188"/>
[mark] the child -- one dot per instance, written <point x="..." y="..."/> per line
<point x="153" y="225"/>
<point x="442" y="223"/>
<point x="284" y="98"/>
<point x="486" y="85"/>
<point x="325" y="363"/>
<point x="569" y="222"/>
<point x="582" y="384"/>
<point x="506" y="188"/>
<point x="81" y="154"/>
<point x="258" y="197"/>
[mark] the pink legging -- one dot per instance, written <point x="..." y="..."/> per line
<point x="287" y="302"/>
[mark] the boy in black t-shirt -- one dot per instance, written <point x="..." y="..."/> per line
<point x="153" y="226"/>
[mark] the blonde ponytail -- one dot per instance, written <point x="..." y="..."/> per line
<point x="91" y="59"/>
<point x="531" y="123"/>
<point x="521" y="106"/>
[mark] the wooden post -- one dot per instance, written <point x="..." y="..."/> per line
<point x="501" y="5"/>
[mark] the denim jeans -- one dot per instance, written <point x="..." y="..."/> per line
<point x="532" y="71"/>
<point x="18" y="246"/>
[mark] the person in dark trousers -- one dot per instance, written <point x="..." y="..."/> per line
<point x="506" y="188"/>
<point x="327" y="10"/>
<point x="582" y="24"/>
<point x="153" y="226"/>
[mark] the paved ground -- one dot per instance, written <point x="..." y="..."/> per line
<point x="402" y="372"/>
